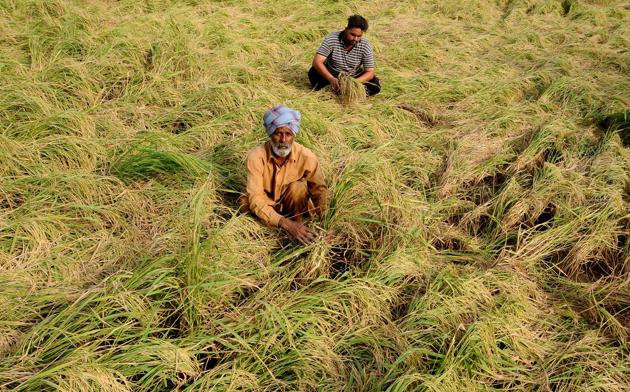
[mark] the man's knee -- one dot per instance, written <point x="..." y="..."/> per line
<point x="373" y="86"/>
<point x="317" y="81"/>
<point x="295" y="199"/>
<point x="297" y="191"/>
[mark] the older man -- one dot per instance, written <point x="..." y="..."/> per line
<point x="345" y="51"/>
<point x="284" y="180"/>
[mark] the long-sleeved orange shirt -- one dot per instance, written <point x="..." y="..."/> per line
<point x="266" y="179"/>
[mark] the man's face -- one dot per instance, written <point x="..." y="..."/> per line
<point x="352" y="35"/>
<point x="282" y="141"/>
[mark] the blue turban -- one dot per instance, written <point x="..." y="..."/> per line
<point x="281" y="116"/>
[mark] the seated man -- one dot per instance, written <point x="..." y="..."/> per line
<point x="345" y="51"/>
<point x="284" y="180"/>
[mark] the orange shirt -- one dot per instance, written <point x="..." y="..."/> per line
<point x="266" y="180"/>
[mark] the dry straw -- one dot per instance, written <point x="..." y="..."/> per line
<point x="476" y="236"/>
<point x="351" y="90"/>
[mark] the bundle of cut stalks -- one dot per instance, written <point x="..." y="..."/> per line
<point x="316" y="264"/>
<point x="350" y="89"/>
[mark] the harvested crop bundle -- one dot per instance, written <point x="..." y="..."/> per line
<point x="350" y="89"/>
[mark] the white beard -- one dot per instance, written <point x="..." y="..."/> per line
<point x="281" y="150"/>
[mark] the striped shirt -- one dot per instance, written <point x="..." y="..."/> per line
<point x="339" y="59"/>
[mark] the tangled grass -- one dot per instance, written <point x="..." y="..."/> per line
<point x="480" y="202"/>
<point x="351" y="91"/>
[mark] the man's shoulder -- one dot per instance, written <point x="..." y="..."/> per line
<point x="304" y="152"/>
<point x="332" y="36"/>
<point x="258" y="152"/>
<point x="366" y="43"/>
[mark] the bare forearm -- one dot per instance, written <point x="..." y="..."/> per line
<point x="322" y="70"/>
<point x="366" y="76"/>
<point x="284" y="224"/>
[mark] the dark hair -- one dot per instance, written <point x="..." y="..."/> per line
<point x="357" y="21"/>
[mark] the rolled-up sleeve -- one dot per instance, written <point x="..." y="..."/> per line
<point x="259" y="202"/>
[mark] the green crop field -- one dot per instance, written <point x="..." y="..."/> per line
<point x="480" y="203"/>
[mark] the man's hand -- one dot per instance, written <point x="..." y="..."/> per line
<point x="334" y="84"/>
<point x="298" y="231"/>
<point x="320" y="67"/>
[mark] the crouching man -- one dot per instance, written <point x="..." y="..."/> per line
<point x="285" y="184"/>
<point x="345" y="51"/>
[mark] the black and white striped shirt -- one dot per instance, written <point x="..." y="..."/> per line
<point x="353" y="62"/>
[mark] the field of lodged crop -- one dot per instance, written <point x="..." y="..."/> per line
<point x="481" y="201"/>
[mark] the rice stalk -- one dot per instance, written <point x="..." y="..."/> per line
<point x="477" y="237"/>
<point x="351" y="91"/>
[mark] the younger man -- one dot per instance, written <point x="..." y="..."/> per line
<point x="345" y="51"/>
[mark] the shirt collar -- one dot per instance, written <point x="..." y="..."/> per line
<point x="293" y="156"/>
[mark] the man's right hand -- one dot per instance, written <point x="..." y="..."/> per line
<point x="334" y="84"/>
<point x="298" y="231"/>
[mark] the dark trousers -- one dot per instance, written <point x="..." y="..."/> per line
<point x="372" y="87"/>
